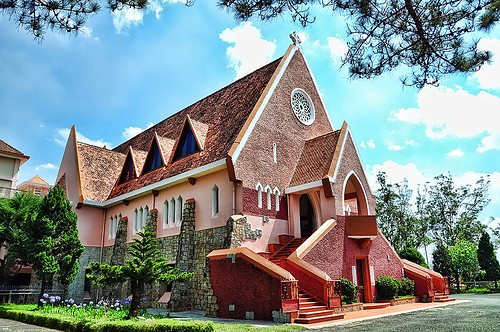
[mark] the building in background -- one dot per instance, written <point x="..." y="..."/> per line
<point x="36" y="185"/>
<point x="11" y="160"/>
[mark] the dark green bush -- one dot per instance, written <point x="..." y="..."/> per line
<point x="348" y="291"/>
<point x="413" y="255"/>
<point x="407" y="287"/>
<point x="387" y="287"/>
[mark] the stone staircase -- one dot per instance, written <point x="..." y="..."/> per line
<point x="312" y="311"/>
<point x="441" y="297"/>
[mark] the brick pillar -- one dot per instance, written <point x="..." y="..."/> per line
<point x="182" y="292"/>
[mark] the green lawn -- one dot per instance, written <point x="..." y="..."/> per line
<point x="77" y="318"/>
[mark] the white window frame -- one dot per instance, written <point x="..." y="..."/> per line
<point x="178" y="211"/>
<point x="275" y="153"/>
<point x="136" y="216"/>
<point x="277" y="194"/>
<point x="268" y="196"/>
<point x="110" y="228"/>
<point x="215" y="200"/>
<point x="165" y="213"/>
<point x="139" y="219"/>
<point x="171" y="212"/>
<point x="259" y="189"/>
<point x="145" y="219"/>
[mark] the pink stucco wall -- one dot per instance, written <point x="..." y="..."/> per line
<point x="270" y="232"/>
<point x="201" y="191"/>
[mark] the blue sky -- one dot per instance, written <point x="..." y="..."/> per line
<point x="127" y="71"/>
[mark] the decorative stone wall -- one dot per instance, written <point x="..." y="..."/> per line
<point x="238" y="230"/>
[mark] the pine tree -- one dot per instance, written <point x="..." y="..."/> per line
<point x="487" y="259"/>
<point x="54" y="245"/>
<point x="145" y="267"/>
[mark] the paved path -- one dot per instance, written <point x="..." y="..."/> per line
<point x="470" y="313"/>
<point x="14" y="326"/>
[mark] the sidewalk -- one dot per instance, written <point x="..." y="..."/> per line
<point x="348" y="318"/>
<point x="377" y="313"/>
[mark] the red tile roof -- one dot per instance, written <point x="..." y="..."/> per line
<point x="99" y="170"/>
<point x="37" y="179"/>
<point x="217" y="118"/>
<point x="10" y="150"/>
<point x="314" y="163"/>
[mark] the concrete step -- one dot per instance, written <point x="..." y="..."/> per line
<point x="308" y="303"/>
<point x="312" y="309"/>
<point x="443" y="299"/>
<point x="370" y="306"/>
<point x="318" y="319"/>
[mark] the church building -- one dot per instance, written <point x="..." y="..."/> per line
<point x="253" y="189"/>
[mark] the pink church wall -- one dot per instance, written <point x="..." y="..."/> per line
<point x="336" y="255"/>
<point x="270" y="232"/>
<point x="89" y="225"/>
<point x="201" y="191"/>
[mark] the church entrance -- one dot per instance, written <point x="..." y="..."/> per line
<point x="306" y="216"/>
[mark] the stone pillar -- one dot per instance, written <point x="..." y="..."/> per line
<point x="118" y="291"/>
<point x="182" y="292"/>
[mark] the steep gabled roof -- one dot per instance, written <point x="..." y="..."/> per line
<point x="316" y="159"/>
<point x="37" y="179"/>
<point x="8" y="149"/>
<point x="216" y="122"/>
<point x="99" y="170"/>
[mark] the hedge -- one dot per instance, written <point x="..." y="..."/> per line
<point x="387" y="287"/>
<point x="348" y="291"/>
<point x="67" y="324"/>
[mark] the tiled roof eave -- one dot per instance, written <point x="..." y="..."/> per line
<point x="199" y="171"/>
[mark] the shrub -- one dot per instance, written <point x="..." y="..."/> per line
<point x="407" y="287"/>
<point x="348" y="291"/>
<point x="413" y="255"/>
<point x="387" y="287"/>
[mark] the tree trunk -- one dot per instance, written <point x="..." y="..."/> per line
<point x="137" y="288"/>
<point x="42" y="291"/>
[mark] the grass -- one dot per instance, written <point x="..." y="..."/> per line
<point x="101" y="316"/>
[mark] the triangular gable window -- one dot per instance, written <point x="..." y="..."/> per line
<point x="187" y="143"/>
<point x="153" y="160"/>
<point x="128" y="171"/>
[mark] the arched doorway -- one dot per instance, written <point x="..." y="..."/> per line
<point x="306" y="216"/>
<point x="355" y="202"/>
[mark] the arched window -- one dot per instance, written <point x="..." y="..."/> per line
<point x="165" y="214"/>
<point x="268" y="195"/>
<point x="115" y="225"/>
<point x="136" y="221"/>
<point x="110" y="228"/>
<point x="178" y="212"/>
<point x="275" y="152"/>
<point x="215" y="200"/>
<point x="146" y="215"/>
<point x="171" y="212"/>
<point x="139" y="222"/>
<point x="277" y="198"/>
<point x="259" y="194"/>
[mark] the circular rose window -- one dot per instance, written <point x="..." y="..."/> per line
<point x="302" y="106"/>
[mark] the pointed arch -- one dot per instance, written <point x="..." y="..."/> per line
<point x="165" y="213"/>
<point x="178" y="211"/>
<point x="354" y="195"/>
<point x="268" y="191"/>
<point x="215" y="200"/>
<point x="259" y="189"/>
<point x="171" y="212"/>
<point x="277" y="194"/>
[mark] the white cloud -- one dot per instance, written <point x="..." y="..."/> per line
<point x="126" y="18"/>
<point x="396" y="173"/>
<point x="130" y="132"/>
<point x="87" y="32"/>
<point x="370" y="144"/>
<point x="391" y="146"/>
<point x="250" y="50"/>
<point x="487" y="76"/>
<point x="447" y="112"/>
<point x="49" y="166"/>
<point x="62" y="138"/>
<point x="338" y="48"/>
<point x="457" y="153"/>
